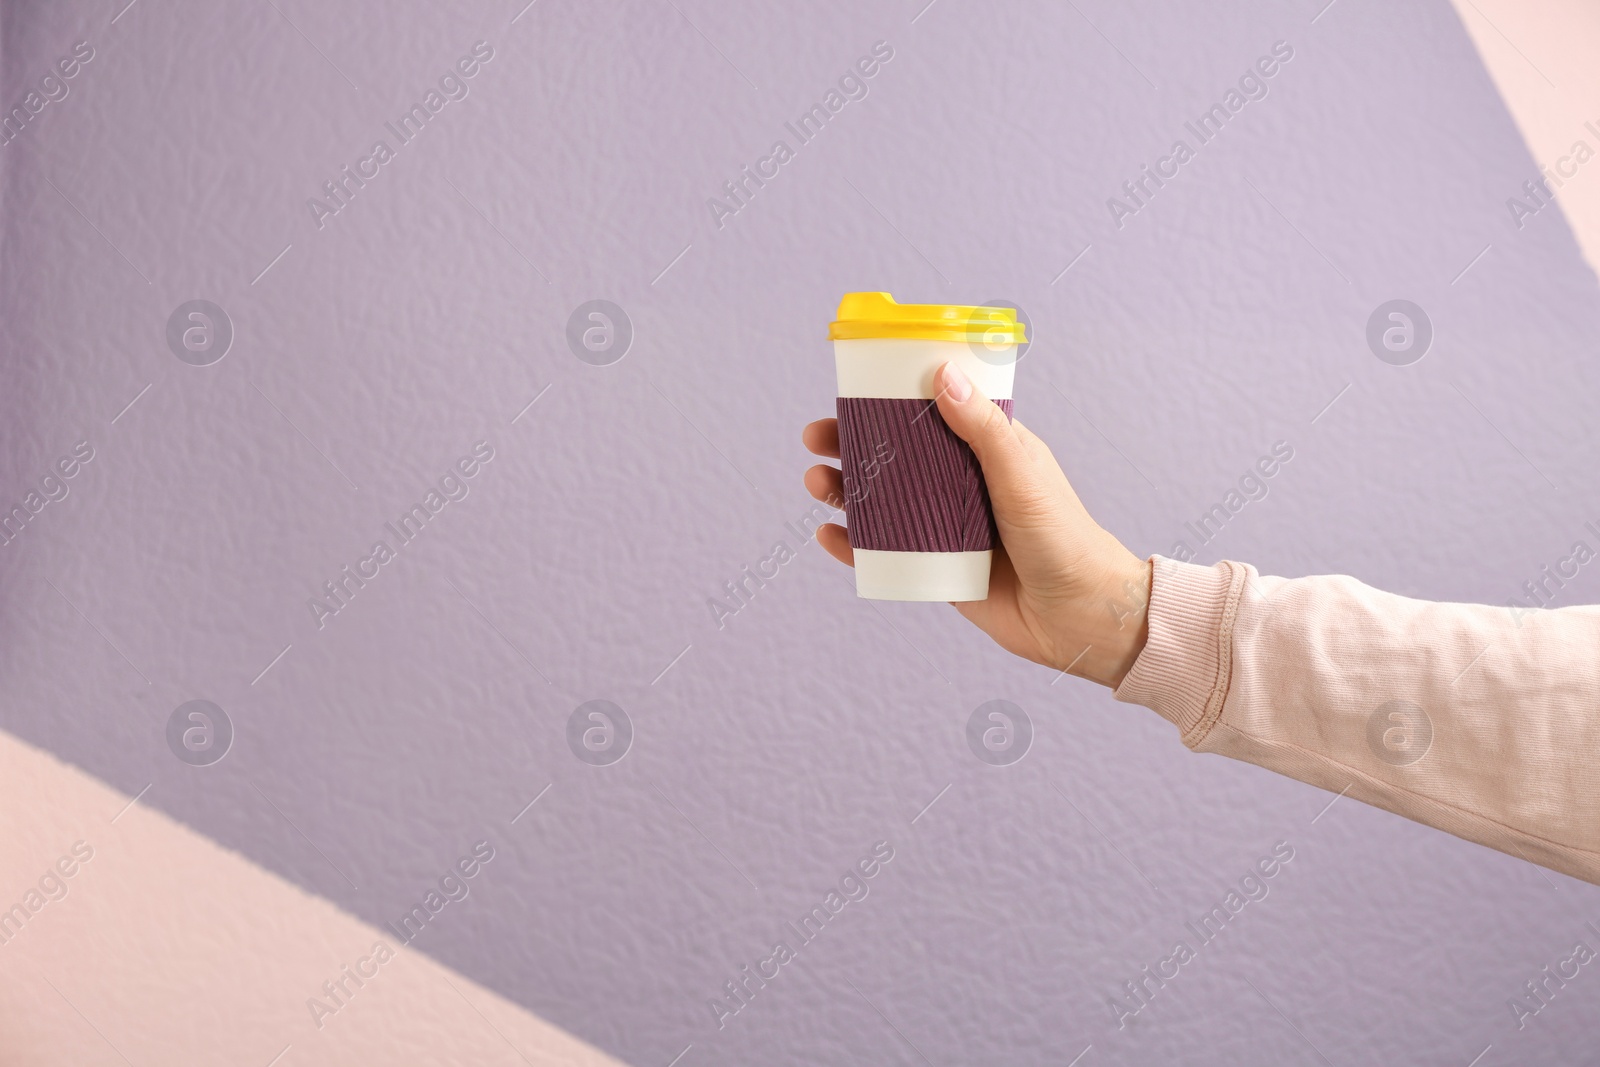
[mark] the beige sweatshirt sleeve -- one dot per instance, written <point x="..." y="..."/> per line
<point x="1480" y="721"/>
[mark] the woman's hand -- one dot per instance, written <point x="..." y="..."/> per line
<point x="1062" y="592"/>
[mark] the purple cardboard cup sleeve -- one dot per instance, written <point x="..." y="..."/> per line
<point x="915" y="500"/>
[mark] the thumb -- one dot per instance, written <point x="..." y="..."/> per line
<point x="1007" y="467"/>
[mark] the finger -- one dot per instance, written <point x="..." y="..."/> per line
<point x="1045" y="460"/>
<point x="1030" y="441"/>
<point x="826" y="484"/>
<point x="822" y="438"/>
<point x="835" y="540"/>
<point x="1008" y="466"/>
<point x="1034" y="446"/>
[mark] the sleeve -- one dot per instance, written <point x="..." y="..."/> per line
<point x="1481" y="721"/>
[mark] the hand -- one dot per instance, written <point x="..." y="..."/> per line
<point x="1062" y="591"/>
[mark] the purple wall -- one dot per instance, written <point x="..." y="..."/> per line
<point x="770" y="755"/>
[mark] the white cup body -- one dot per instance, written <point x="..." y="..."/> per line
<point x="903" y="369"/>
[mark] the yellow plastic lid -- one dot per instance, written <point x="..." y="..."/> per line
<point x="877" y="315"/>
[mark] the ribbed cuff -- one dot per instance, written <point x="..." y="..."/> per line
<point x="1183" y="672"/>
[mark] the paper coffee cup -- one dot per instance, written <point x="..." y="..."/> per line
<point x="918" y="511"/>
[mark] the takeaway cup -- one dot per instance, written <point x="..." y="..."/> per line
<point x="917" y="508"/>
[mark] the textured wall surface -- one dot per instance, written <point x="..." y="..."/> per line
<point x="441" y="309"/>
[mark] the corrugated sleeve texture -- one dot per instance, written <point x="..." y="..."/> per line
<point x="1480" y="721"/>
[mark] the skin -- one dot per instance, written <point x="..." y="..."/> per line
<point x="1062" y="591"/>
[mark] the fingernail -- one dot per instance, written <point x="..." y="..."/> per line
<point x="956" y="383"/>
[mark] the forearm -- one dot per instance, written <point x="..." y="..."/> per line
<point x="1473" y="719"/>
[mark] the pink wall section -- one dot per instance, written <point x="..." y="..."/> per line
<point x="161" y="947"/>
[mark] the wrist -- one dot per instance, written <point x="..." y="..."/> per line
<point x="1134" y="630"/>
<point x="1118" y="625"/>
